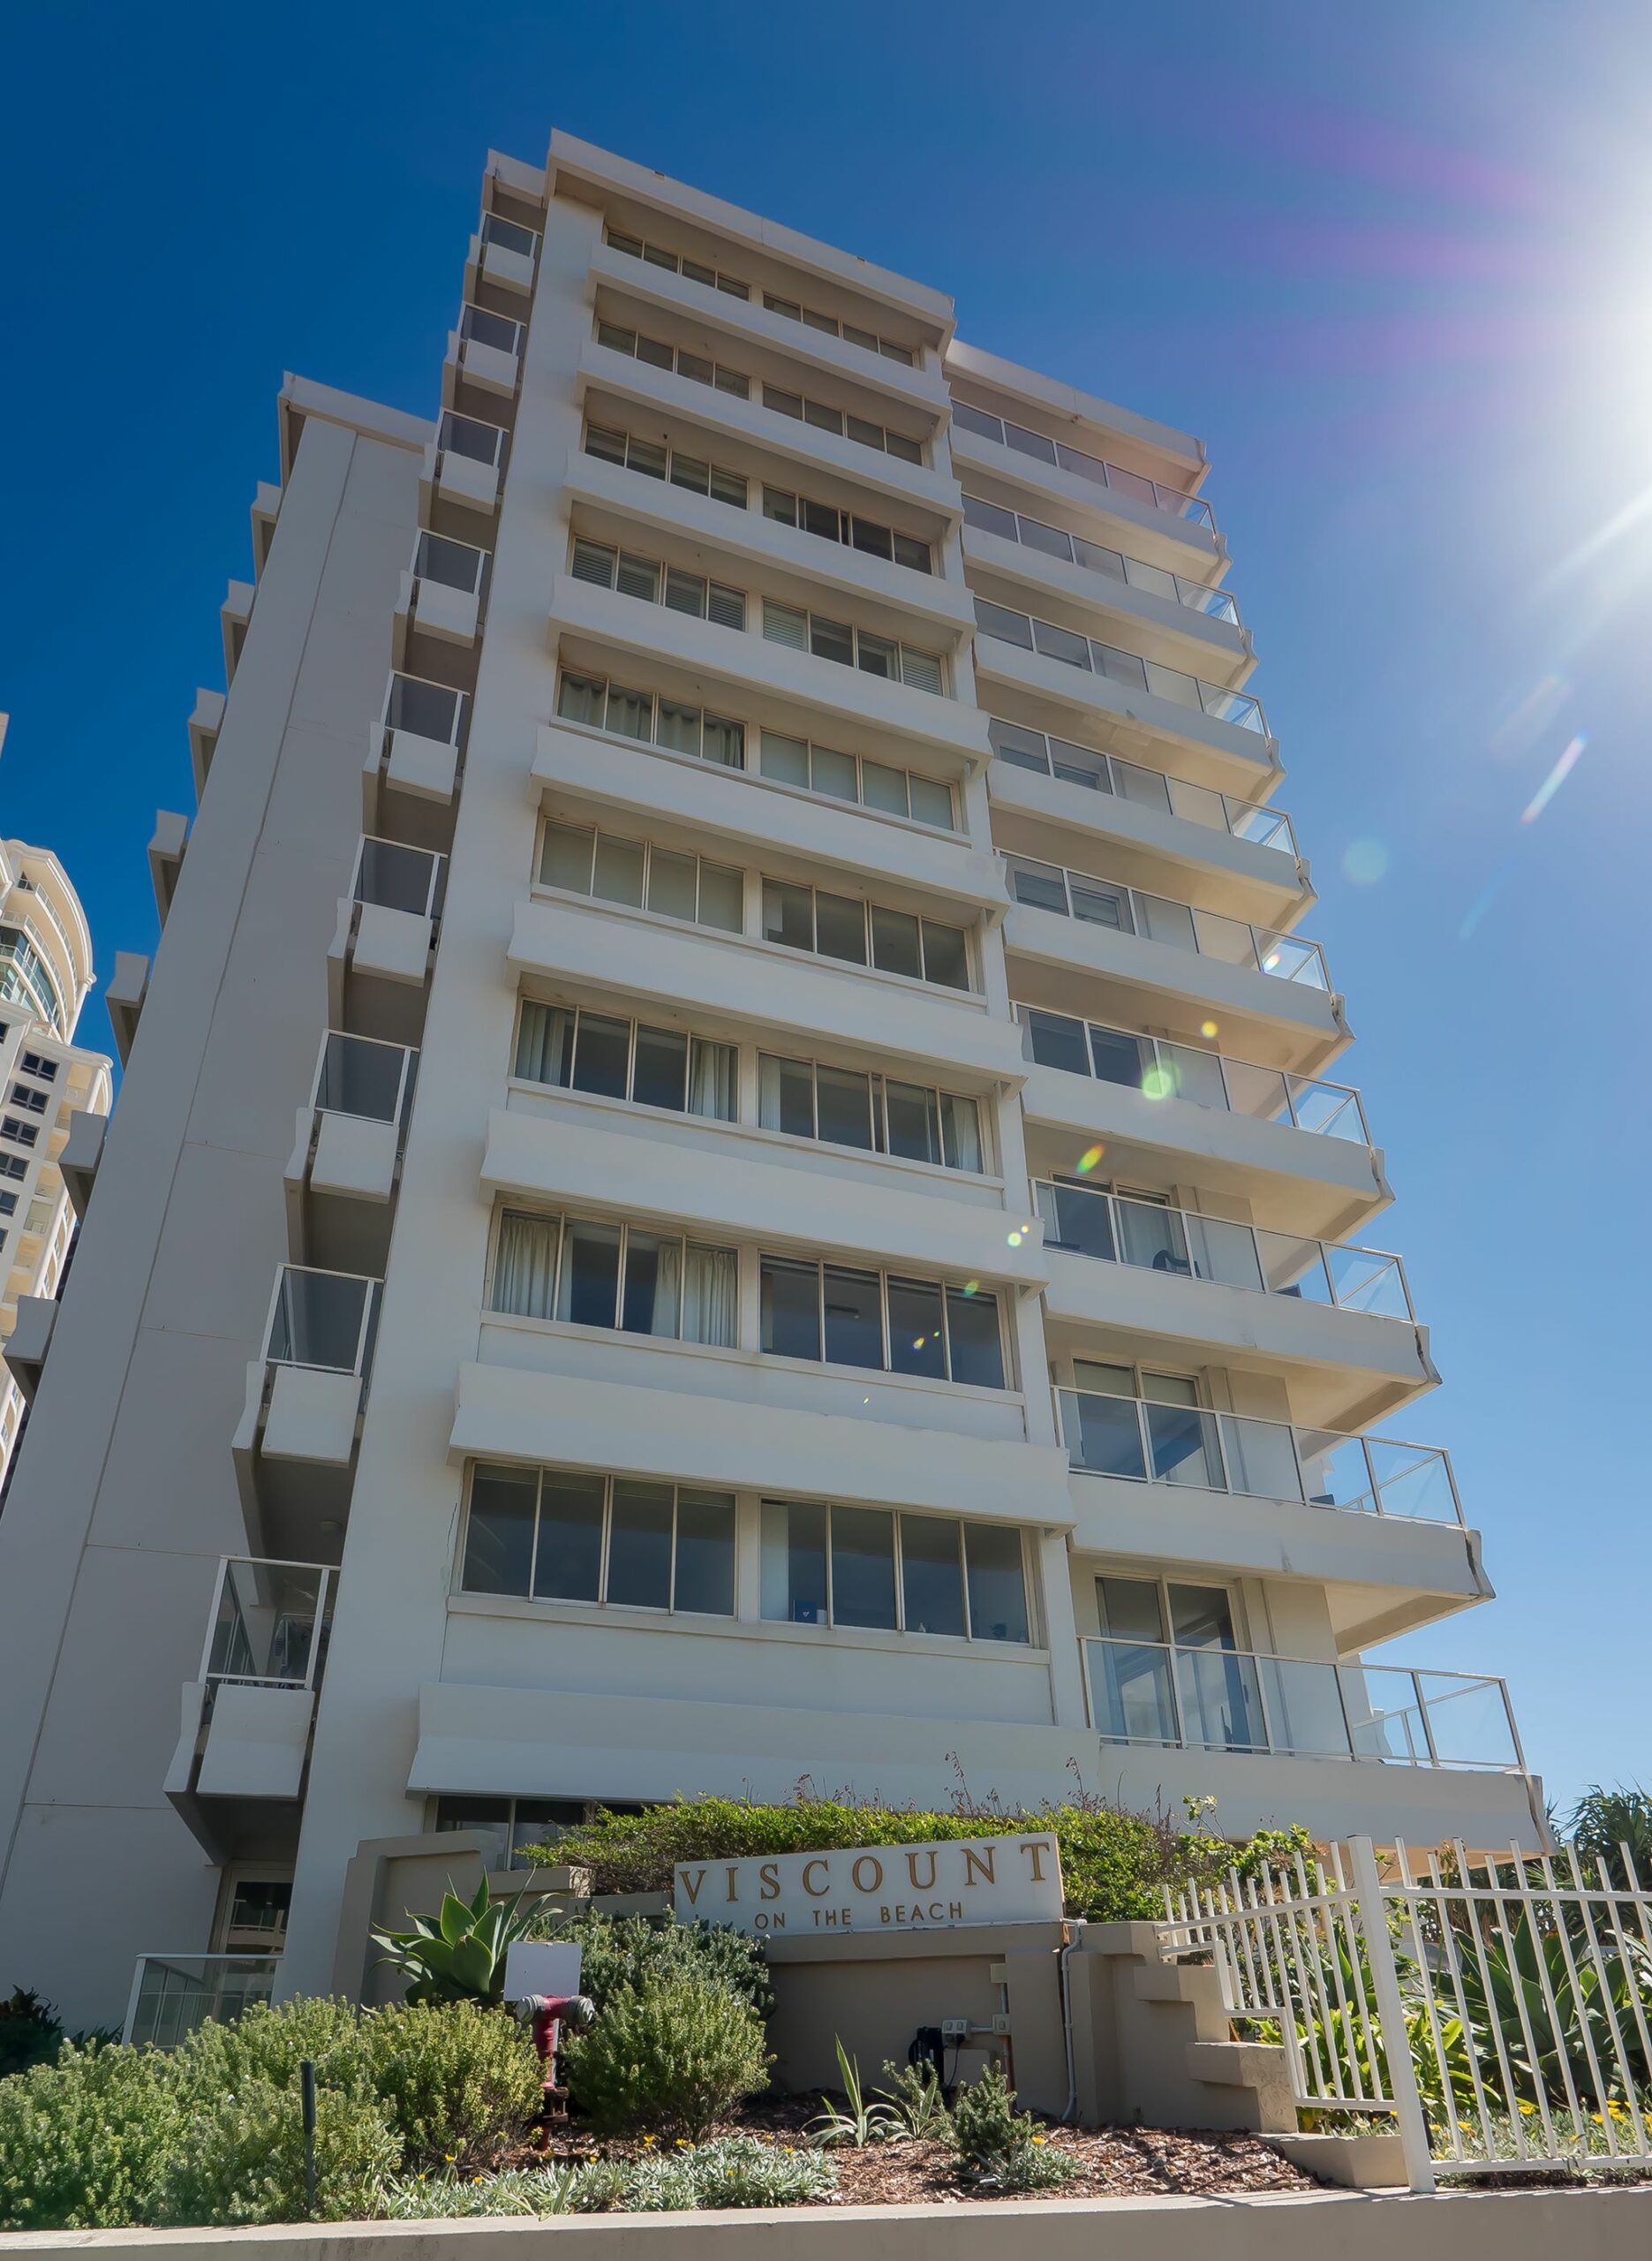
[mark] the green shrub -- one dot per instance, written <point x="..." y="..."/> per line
<point x="625" y="1950"/>
<point x="998" y="2146"/>
<point x="673" y="2052"/>
<point x="243" y="2160"/>
<point x="85" y="2142"/>
<point x="30" y="2031"/>
<point x="1114" y="1866"/>
<point x="456" y="2081"/>
<point x="520" y="2190"/>
<point x="734" y="2171"/>
<point x="267" y="2045"/>
<point x="741" y="2171"/>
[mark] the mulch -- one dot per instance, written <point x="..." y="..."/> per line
<point x="1112" y="2162"/>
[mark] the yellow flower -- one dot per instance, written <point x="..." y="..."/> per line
<point x="1528" y="2109"/>
<point x="649" y="2139"/>
<point x="1038" y="2139"/>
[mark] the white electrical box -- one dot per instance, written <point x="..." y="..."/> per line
<point x="954" y="2028"/>
<point x="1000" y="2022"/>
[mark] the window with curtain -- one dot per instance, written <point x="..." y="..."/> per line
<point x="840" y="1314"/>
<point x="671" y="724"/>
<point x="871" y="1567"/>
<point x="571" y="1048"/>
<point x="592" y="1273"/>
<point x="847" y="1106"/>
<point x="555" y="1534"/>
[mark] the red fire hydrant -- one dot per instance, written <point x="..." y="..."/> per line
<point x="545" y="2015"/>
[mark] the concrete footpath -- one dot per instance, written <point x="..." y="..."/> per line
<point x="1598" y="2224"/>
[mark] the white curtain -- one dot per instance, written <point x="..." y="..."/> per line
<point x="708" y="1294"/>
<point x="524" y="1273"/>
<point x="962" y="1126"/>
<point x="545" y="1043"/>
<point x="668" y="1285"/>
<point x="712" y="1079"/>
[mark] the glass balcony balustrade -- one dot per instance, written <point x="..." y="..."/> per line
<point x="1128" y="780"/>
<point x="1158" y="919"/>
<point x="326" y="1319"/>
<point x="269" y="1624"/>
<point x="1173" y="501"/>
<point x="1142" y="1442"/>
<point x="359" y="1076"/>
<point x="1117" y="1228"/>
<point x="398" y="878"/>
<point x="1160" y="1070"/>
<point x="174" y="1993"/>
<point x="1219" y="1698"/>
<point x="1095" y="557"/>
<point x="1127" y="668"/>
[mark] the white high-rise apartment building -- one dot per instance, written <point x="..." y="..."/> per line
<point x="46" y="1081"/>
<point x="732" y="1168"/>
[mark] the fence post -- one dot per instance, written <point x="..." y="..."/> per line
<point x="1390" y="2010"/>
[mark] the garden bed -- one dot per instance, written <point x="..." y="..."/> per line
<point x="1110" y="2162"/>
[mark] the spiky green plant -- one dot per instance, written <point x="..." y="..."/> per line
<point x="459" y="1954"/>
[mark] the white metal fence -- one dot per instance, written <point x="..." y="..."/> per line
<point x="1523" y="1986"/>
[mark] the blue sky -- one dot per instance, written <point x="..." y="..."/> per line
<point x="1391" y="264"/>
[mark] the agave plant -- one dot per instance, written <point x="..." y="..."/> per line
<point x="1601" y="1998"/>
<point x="459" y="1954"/>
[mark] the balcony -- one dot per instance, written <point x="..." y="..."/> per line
<point x="1171" y="686"/>
<point x="247" y="1716"/>
<point x="1130" y="485"/>
<point x="1375" y="1522"/>
<point x="342" y="1176"/>
<point x="1339" y="1318"/>
<point x="440" y="605"/>
<point x="1297" y="1147"/>
<point x="1210" y="1698"/>
<point x="1268" y="989"/>
<point x="1115" y="566"/>
<point x="205" y="723"/>
<point x="415" y="764"/>
<point x="388" y="925"/>
<point x="171" y="1994"/>
<point x="1245" y="853"/>
<point x="484" y="357"/>
<point x="504" y="255"/>
<point x="296" y="1438"/>
<point x="462" y="470"/>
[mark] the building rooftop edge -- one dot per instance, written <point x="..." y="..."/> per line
<point x="302" y="397"/>
<point x="584" y="161"/>
<point x="1067" y="400"/>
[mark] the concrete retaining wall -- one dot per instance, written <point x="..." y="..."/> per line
<point x="1344" y="2225"/>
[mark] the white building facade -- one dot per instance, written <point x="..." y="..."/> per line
<point x="733" y="1166"/>
<point x="54" y="1097"/>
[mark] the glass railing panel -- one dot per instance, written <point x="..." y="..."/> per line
<point x="1055" y="1041"/>
<point x="1261" y="1457"/>
<point x="1197" y="805"/>
<point x="398" y="878"/>
<point x="1365" y="1280"/>
<point x="1028" y="444"/>
<point x="1335" y="1471"/>
<point x="1224" y="1252"/>
<point x="1104" y="1434"/>
<point x="1413" y="1480"/>
<point x="361" y="1077"/>
<point x="1173" y="684"/>
<point x="1123" y="482"/>
<point x="322" y="1318"/>
<point x="1096" y="558"/>
<point x="1304" y="1708"/>
<point x="1182" y="1071"/>
<point x="1293" y="1266"/>
<point x="175" y="1994"/>
<point x="989" y="518"/>
<point x="1151" y="1238"/>
<point x="1261" y="1093"/>
<point x="1050" y="542"/>
<point x="1174" y="923"/>
<point x="1383" y="1713"/>
<point x="1122" y="668"/>
<point x="1236" y="707"/>
<point x="1079" y="765"/>
<point x="1262" y="827"/>
<point x="1122" y="1059"/>
<point x="1290" y="960"/>
<point x="1013" y="743"/>
<point x="1041" y="887"/>
<point x="1077" y="1221"/>
<point x="1221" y="1699"/>
<point x="264" y="1630"/>
<point x="1215" y="602"/>
<point x="1100" y="902"/>
<point x="1132" y="1691"/>
<point x="1184" y="1447"/>
<point x="1154" y="581"/>
<point x="1227" y="940"/>
<point x="1063" y="644"/>
<point x="1467" y="1719"/>
<point x="1331" y="1109"/>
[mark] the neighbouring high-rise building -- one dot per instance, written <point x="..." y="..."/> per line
<point x="46" y="1081"/>
<point x="733" y="1166"/>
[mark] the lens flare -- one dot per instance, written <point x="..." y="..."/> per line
<point x="1364" y="862"/>
<point x="1484" y="902"/>
<point x="1554" y="781"/>
<point x="1088" y="1160"/>
<point x="1207" y="1028"/>
<point x="970" y="1287"/>
<point x="1525" y="722"/>
<point x="1015" y="1237"/>
<point x="1160" y="1082"/>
